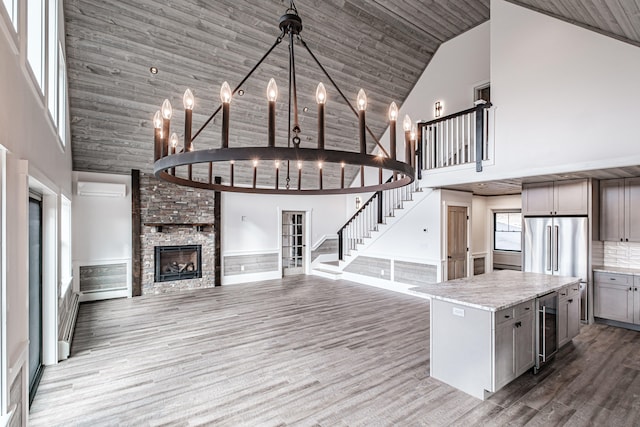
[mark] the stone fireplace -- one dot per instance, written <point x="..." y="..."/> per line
<point x="177" y="237"/>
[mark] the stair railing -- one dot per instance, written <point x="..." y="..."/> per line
<point x="372" y="213"/>
<point x="456" y="139"/>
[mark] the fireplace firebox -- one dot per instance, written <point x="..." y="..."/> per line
<point x="178" y="262"/>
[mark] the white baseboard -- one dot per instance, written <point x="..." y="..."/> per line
<point x="250" y="277"/>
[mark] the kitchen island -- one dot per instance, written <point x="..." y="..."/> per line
<point x="483" y="328"/>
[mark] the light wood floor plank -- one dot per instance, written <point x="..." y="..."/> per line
<point x="312" y="352"/>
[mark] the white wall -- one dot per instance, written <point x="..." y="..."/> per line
<point x="565" y="98"/>
<point x="415" y="237"/>
<point x="259" y="230"/>
<point x="101" y="225"/>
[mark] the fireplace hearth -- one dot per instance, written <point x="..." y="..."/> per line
<point x="178" y="262"/>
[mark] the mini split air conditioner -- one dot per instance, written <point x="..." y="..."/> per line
<point x="101" y="189"/>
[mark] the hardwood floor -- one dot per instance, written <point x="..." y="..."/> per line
<point x="309" y="351"/>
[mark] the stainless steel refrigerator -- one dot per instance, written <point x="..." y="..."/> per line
<point x="558" y="246"/>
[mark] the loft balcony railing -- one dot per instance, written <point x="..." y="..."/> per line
<point x="456" y="139"/>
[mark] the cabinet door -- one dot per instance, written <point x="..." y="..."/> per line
<point x="525" y="343"/>
<point x="571" y="197"/>
<point x="573" y="317"/>
<point x="632" y="210"/>
<point x="614" y="302"/>
<point x="537" y="198"/>
<point x="612" y="210"/>
<point x="563" y="321"/>
<point x="504" y="361"/>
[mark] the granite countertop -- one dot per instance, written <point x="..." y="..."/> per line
<point x="496" y="290"/>
<point x="618" y="270"/>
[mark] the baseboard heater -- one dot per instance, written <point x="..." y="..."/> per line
<point x="69" y="326"/>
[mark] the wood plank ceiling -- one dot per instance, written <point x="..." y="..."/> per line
<point x="380" y="46"/>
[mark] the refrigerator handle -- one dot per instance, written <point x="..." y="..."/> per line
<point x="548" y="266"/>
<point x="556" y="244"/>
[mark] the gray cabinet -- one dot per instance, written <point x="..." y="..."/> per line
<point x="616" y="297"/>
<point x="570" y="197"/>
<point x="514" y="343"/>
<point x="568" y="313"/>
<point x="619" y="207"/>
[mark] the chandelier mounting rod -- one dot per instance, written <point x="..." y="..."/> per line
<point x="255" y="67"/>
<point x="346" y="100"/>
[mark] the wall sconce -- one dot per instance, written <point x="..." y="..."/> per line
<point x="358" y="202"/>
<point x="438" y="108"/>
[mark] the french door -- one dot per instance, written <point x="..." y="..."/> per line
<point x="293" y="243"/>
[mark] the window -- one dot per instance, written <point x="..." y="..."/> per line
<point x="62" y="97"/>
<point x="52" y="59"/>
<point x="11" y="6"/>
<point x="507" y="231"/>
<point x="35" y="40"/>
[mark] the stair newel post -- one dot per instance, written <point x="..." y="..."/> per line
<point x="479" y="136"/>
<point x="340" y="243"/>
<point x="380" y="216"/>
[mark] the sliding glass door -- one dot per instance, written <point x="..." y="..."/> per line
<point x="35" y="295"/>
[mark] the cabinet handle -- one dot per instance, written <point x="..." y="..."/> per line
<point x="621" y="239"/>
<point x="626" y="240"/>
<point x="575" y="289"/>
<point x="528" y="308"/>
<point x="612" y="278"/>
<point x="630" y="289"/>
<point x="518" y="324"/>
<point x="506" y="316"/>
<point x="571" y="300"/>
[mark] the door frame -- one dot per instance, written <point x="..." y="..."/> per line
<point x="50" y="283"/>
<point x="307" y="238"/>
<point x="444" y="238"/>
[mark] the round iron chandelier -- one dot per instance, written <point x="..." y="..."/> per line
<point x="290" y="160"/>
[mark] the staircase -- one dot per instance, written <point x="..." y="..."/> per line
<point x="457" y="139"/>
<point x="372" y="219"/>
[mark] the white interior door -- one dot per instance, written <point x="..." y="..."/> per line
<point x="293" y="243"/>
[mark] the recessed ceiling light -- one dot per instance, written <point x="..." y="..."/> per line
<point x="153" y="70"/>
<point x="240" y="92"/>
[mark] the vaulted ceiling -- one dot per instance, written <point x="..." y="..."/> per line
<point x="381" y="46"/>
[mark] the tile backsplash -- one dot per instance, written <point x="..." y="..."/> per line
<point x="622" y="254"/>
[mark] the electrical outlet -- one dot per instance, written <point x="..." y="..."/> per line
<point x="242" y="268"/>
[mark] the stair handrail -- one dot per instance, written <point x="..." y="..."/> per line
<point x="482" y="106"/>
<point x="358" y="212"/>
<point x="373" y="196"/>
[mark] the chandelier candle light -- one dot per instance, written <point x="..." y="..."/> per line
<point x="167" y="157"/>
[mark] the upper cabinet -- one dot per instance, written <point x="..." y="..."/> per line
<point x="619" y="200"/>
<point x="570" y="197"/>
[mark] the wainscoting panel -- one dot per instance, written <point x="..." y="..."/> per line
<point x="15" y="398"/>
<point x="373" y="267"/>
<point x="414" y="273"/>
<point x="252" y="263"/>
<point x="107" y="277"/>
<point x="328" y="247"/>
